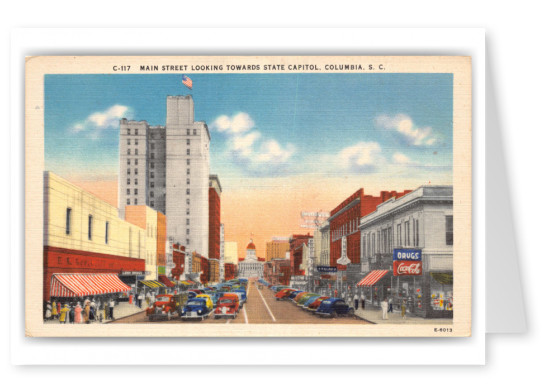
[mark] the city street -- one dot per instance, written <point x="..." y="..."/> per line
<point x="261" y="307"/>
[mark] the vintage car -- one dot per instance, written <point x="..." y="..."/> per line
<point x="292" y="295"/>
<point x="196" y="309"/>
<point x="282" y="294"/>
<point x="165" y="306"/>
<point x="243" y="291"/>
<point x="208" y="299"/>
<point x="316" y="303"/>
<point x="334" y="307"/>
<point x="299" y="296"/>
<point x="302" y="299"/>
<point x="227" y="306"/>
<point x="309" y="301"/>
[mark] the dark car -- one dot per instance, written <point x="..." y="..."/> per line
<point x="334" y="307"/>
<point x="196" y="308"/>
<point x="292" y="295"/>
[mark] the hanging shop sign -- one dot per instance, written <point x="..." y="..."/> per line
<point x="408" y="268"/>
<point x="327" y="269"/>
<point x="401" y="254"/>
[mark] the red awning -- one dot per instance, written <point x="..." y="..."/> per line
<point x="165" y="280"/>
<point x="372" y="278"/>
<point x="86" y="284"/>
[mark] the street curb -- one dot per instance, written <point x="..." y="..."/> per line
<point x="124" y="317"/>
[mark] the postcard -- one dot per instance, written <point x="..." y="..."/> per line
<point x="248" y="196"/>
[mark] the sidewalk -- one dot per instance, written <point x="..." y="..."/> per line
<point x="120" y="311"/>
<point x="375" y="315"/>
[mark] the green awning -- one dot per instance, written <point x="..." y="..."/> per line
<point x="443" y="278"/>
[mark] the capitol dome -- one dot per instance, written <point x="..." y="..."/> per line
<point x="251" y="246"/>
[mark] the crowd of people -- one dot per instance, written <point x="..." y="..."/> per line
<point x="91" y="310"/>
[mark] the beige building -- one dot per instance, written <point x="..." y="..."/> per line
<point x="78" y="220"/>
<point x="230" y="253"/>
<point x="276" y="249"/>
<point x="146" y="218"/>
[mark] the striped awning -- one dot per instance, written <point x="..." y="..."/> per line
<point x="165" y="280"/>
<point x="153" y="284"/>
<point x="85" y="284"/>
<point x="372" y="278"/>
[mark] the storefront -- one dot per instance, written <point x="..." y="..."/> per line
<point x="78" y="287"/>
<point x="375" y="286"/>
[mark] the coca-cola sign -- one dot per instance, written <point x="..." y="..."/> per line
<point x="408" y="268"/>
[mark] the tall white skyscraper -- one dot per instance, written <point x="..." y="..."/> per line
<point x="167" y="168"/>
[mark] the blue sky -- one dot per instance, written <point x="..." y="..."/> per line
<point x="262" y="125"/>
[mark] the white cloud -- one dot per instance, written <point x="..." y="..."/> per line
<point x="364" y="156"/>
<point x="239" y="123"/>
<point x="404" y="125"/>
<point x="101" y="120"/>
<point x="400" y="158"/>
<point x="249" y="148"/>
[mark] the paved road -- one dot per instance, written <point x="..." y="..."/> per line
<point x="262" y="307"/>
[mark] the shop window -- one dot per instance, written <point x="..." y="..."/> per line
<point x="68" y="221"/>
<point x="90" y="218"/>
<point x="449" y="230"/>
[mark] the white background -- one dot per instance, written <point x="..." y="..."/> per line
<point x="517" y="49"/>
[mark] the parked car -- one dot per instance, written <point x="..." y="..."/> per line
<point x="316" y="303"/>
<point x="309" y="301"/>
<point x="282" y="294"/>
<point x="208" y="299"/>
<point x="293" y="294"/>
<point x="227" y="306"/>
<point x="304" y="298"/>
<point x="237" y="297"/>
<point x="243" y="291"/>
<point x="299" y="296"/>
<point x="165" y="305"/>
<point x="334" y="307"/>
<point x="196" y="309"/>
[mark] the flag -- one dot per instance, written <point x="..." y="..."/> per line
<point x="187" y="81"/>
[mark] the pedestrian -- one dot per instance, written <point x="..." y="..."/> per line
<point x="78" y="313"/>
<point x="86" y="312"/>
<point x="72" y="313"/>
<point x="140" y="299"/>
<point x="384" y="307"/>
<point x="147" y="299"/>
<point x="63" y="316"/>
<point x="48" y="314"/>
<point x="362" y="297"/>
<point x="59" y="308"/>
<point x="404" y="309"/>
<point x="112" y="309"/>
<point x="390" y="300"/>
<point x="356" y="301"/>
<point x="93" y="310"/>
<point x="54" y="310"/>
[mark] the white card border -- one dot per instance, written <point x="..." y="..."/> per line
<point x="288" y="351"/>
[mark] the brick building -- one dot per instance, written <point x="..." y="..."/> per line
<point x="215" y="192"/>
<point x="295" y="250"/>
